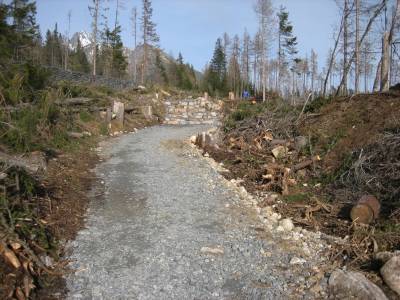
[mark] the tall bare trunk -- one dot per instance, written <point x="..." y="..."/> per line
<point x="332" y="58"/>
<point x="345" y="41"/>
<point x="377" y="76"/>
<point x="346" y="69"/>
<point x="357" y="44"/>
<point x="95" y="32"/>
<point x="385" y="63"/>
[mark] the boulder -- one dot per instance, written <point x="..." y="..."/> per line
<point x="353" y="285"/>
<point x="386" y="255"/>
<point x="391" y="273"/>
<point x="287" y="224"/>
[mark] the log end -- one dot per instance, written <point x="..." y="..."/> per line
<point x="362" y="213"/>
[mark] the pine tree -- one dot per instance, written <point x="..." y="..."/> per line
<point x="287" y="42"/>
<point x="161" y="68"/>
<point x="78" y="60"/>
<point x="6" y="34"/>
<point x="149" y="35"/>
<point x="215" y="77"/>
<point x="53" y="48"/>
<point x="26" y="31"/>
<point x="118" y="61"/>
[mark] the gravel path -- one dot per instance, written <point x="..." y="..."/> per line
<point x="162" y="205"/>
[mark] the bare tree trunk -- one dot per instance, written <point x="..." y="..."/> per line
<point x="332" y="58"/>
<point x="95" y="32"/>
<point x="134" y="32"/>
<point x="357" y="44"/>
<point x="385" y="63"/>
<point x="345" y="38"/>
<point x="377" y="76"/>
<point x="366" y="31"/>
<point x="386" y="47"/>
<point x="67" y="42"/>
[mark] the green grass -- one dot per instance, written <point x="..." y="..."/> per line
<point x="301" y="197"/>
<point x="244" y="110"/>
<point x="315" y="105"/>
<point x="85" y="116"/>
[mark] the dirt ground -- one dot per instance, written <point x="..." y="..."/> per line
<point x="356" y="140"/>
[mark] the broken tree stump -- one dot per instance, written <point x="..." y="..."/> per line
<point x="119" y="111"/>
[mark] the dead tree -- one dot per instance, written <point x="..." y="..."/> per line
<point x="386" y="44"/>
<point x="347" y="66"/>
<point x="357" y="49"/>
<point x="332" y="58"/>
<point x="95" y="10"/>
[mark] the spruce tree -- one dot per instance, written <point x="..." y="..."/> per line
<point x="26" y="31"/>
<point x="78" y="60"/>
<point x="287" y="42"/>
<point x="118" y="59"/>
<point x="216" y="75"/>
<point x="149" y="35"/>
<point x="6" y="34"/>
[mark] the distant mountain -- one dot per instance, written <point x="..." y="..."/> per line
<point x="83" y="37"/>
<point x="133" y="55"/>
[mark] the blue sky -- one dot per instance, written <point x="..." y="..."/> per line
<point x="192" y="26"/>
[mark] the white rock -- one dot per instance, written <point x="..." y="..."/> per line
<point x="297" y="261"/>
<point x="193" y="139"/>
<point x="391" y="273"/>
<point x="209" y="250"/>
<point x="287" y="224"/>
<point x="280" y="229"/>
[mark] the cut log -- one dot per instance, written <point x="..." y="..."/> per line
<point x="74" y="101"/>
<point x="366" y="210"/>
<point x="34" y="163"/>
<point x="305" y="164"/>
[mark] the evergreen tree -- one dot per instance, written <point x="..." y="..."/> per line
<point x="149" y="35"/>
<point x="25" y="29"/>
<point x="78" y="60"/>
<point x="161" y="68"/>
<point x="215" y="76"/>
<point x="53" y="48"/>
<point x="6" y="34"/>
<point x="287" y="42"/>
<point x="118" y="60"/>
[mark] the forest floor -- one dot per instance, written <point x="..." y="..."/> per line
<point x="328" y="157"/>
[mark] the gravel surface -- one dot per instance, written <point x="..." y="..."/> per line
<point x="168" y="226"/>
